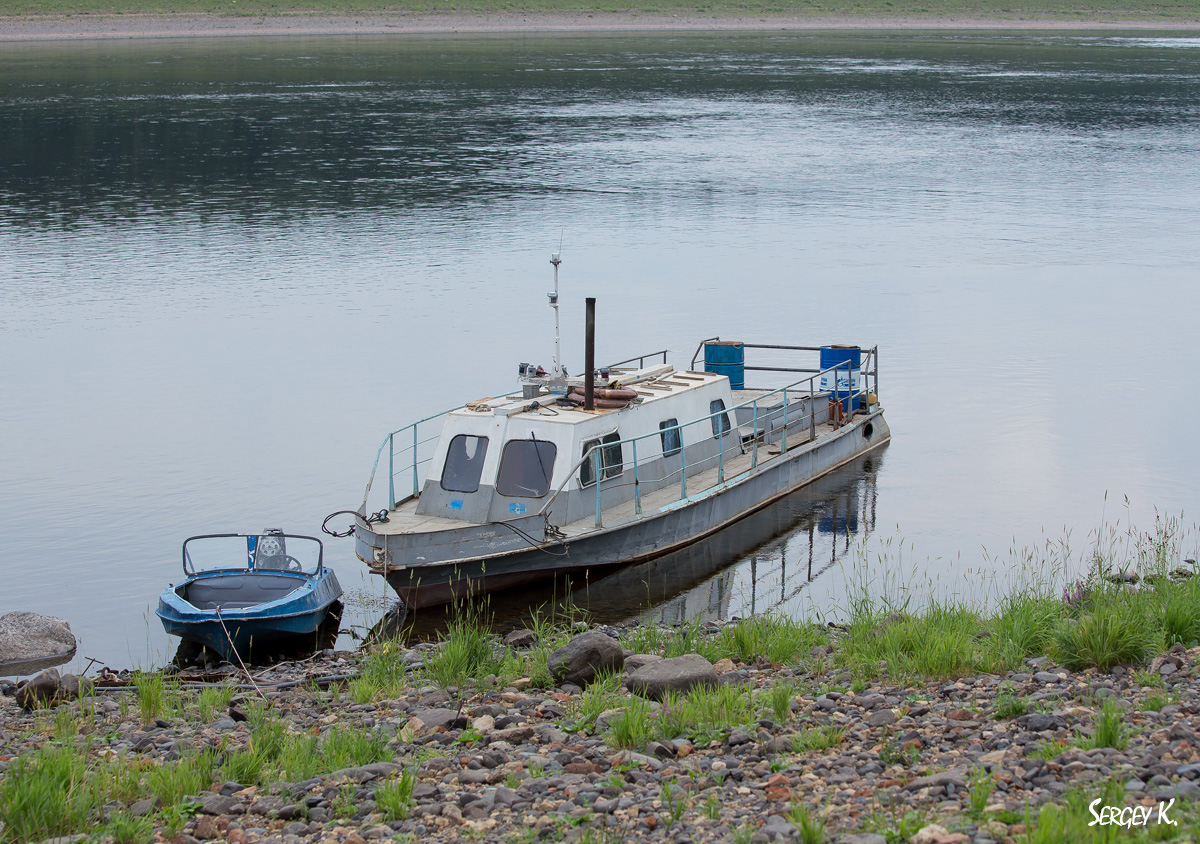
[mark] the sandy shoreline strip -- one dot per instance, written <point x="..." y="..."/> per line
<point x="73" y="27"/>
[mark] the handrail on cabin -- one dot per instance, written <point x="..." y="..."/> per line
<point x="595" y="450"/>
<point x="390" y="440"/>
<point x="641" y="359"/>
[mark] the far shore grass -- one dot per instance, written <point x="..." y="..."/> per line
<point x="936" y="12"/>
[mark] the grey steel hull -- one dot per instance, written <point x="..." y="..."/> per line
<point x="513" y="562"/>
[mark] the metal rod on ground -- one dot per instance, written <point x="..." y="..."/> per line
<point x="233" y="648"/>
<point x="589" y="356"/>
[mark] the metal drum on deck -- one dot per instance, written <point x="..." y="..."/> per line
<point x="727" y="358"/>
<point x="847" y="381"/>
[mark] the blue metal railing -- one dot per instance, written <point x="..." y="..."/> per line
<point x="412" y="443"/>
<point x="868" y="369"/>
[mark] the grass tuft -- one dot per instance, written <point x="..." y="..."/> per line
<point x="466" y="652"/>
<point x="810" y="827"/>
<point x="1111" y="729"/>
<point x="980" y="785"/>
<point x="630" y="728"/>
<point x="779" y="700"/>
<point x="1009" y="705"/>
<point x="395" y="796"/>
<point x="818" y="738"/>
<point x="152" y="695"/>
<point x="213" y="701"/>
<point x="171" y="783"/>
<point x="45" y="794"/>
<point x="1117" y="631"/>
<point x="126" y="829"/>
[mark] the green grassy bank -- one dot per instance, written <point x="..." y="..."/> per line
<point x="935" y="11"/>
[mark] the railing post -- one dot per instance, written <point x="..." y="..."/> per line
<point x="783" y="440"/>
<point x="754" y="456"/>
<point x="812" y="410"/>
<point x="596" y="475"/>
<point x="682" y="466"/>
<point x="391" y="472"/>
<point x="415" y="490"/>
<point x="721" y="449"/>
<point x="637" y="490"/>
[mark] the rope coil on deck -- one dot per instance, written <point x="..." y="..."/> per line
<point x="373" y="519"/>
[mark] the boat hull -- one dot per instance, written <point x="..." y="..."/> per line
<point x="654" y="535"/>
<point x="242" y="631"/>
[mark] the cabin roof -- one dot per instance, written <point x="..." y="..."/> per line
<point x="652" y="385"/>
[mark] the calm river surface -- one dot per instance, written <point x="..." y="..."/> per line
<point x="229" y="267"/>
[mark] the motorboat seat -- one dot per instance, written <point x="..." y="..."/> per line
<point x="239" y="591"/>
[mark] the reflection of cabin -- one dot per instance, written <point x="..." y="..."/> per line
<point x="499" y="459"/>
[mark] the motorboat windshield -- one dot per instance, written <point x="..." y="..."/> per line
<point x="271" y="550"/>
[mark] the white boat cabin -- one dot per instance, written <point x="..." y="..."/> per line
<point x="500" y="459"/>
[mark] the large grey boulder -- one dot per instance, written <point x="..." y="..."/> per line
<point x="678" y="674"/>
<point x="585" y="656"/>
<point x="30" y="642"/>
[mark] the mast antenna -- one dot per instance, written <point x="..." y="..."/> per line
<point x="556" y="370"/>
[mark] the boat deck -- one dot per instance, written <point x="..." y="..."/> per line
<point x="405" y="519"/>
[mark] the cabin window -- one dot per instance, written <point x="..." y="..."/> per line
<point x="526" y="467"/>
<point x="672" y="439"/>
<point x="720" y="424"/>
<point x="610" y="459"/>
<point x="464" y="463"/>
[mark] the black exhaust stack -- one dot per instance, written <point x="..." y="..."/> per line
<point x="589" y="356"/>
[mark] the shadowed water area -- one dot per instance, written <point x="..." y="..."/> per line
<point x="229" y="267"/>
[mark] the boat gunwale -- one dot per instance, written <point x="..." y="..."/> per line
<point x="187" y="611"/>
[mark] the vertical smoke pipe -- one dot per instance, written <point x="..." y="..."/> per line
<point x="589" y="356"/>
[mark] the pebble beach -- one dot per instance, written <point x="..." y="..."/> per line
<point x="974" y="759"/>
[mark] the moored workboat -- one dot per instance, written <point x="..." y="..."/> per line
<point x="624" y="464"/>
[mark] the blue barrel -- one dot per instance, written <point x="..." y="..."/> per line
<point x="846" y="382"/>
<point x="727" y="358"/>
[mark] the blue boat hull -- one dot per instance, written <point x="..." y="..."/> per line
<point x="295" y="605"/>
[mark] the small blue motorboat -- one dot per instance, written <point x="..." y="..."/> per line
<point x="250" y="592"/>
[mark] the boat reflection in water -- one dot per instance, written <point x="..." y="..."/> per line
<point x="771" y="561"/>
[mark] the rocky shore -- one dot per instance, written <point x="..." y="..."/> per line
<point x="770" y="751"/>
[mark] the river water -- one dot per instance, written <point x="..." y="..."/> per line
<point x="229" y="267"/>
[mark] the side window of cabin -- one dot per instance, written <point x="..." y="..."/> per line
<point x="610" y="459"/>
<point x="672" y="439"/>
<point x="526" y="467"/>
<point x="720" y="424"/>
<point x="464" y="463"/>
